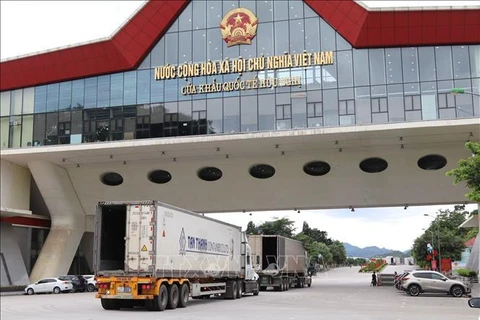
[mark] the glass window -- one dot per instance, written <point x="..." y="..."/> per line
<point x="28" y="95"/>
<point x="361" y="70"/>
<point x="328" y="37"/>
<point x="214" y="45"/>
<point x="171" y="48"/>
<point x="393" y="59"/>
<point x="299" y="112"/>
<point x="429" y="101"/>
<point x="130" y="88"/>
<point x="329" y="74"/>
<point x="345" y="72"/>
<point x="200" y="16"/>
<point x="199" y="46"/>
<point x="265" y="46"/>
<point x="146" y="63"/>
<point x="464" y="102"/>
<point x="185" y="47"/>
<point x="65" y="102"/>
<point x="249" y="114"/>
<point x="5" y="131"/>
<point x="461" y="62"/>
<point x="27" y="131"/>
<point x="90" y="93"/>
<point x="39" y="129"/>
<point x="5" y="102"/>
<point x="443" y="61"/>
<point x="103" y="93"/>
<point x="395" y="103"/>
<point x="15" y="131"/>
<point x="214" y="14"/>
<point x="362" y="104"/>
<point x="158" y="53"/>
<point x="77" y="122"/>
<point x="52" y="96"/>
<point x="78" y="94"/>
<point x="116" y="89"/>
<point x="411" y="88"/>
<point x="426" y="59"/>
<point x="40" y="102"/>
<point x="295" y="9"/>
<point x="16" y="102"/>
<point x="143" y="86"/>
<point x="231" y="113"/>
<point x="377" y="66"/>
<point x="342" y="44"/>
<point x="185" y="19"/>
<point x="330" y="108"/>
<point x="475" y="60"/>
<point x="297" y="36"/>
<point x="281" y="37"/>
<point x="265" y="11"/>
<point x="476" y="100"/>
<point x="156" y="88"/>
<point x="51" y="132"/>
<point x="410" y="64"/>
<point x="280" y="10"/>
<point x="266" y="111"/>
<point x="312" y="32"/>
<point x="214" y="115"/>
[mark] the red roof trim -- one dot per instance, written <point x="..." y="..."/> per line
<point x="129" y="46"/>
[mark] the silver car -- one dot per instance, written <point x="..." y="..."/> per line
<point x="417" y="282"/>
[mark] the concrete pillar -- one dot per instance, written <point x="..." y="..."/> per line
<point x="15" y="186"/>
<point x="67" y="216"/>
<point x="12" y="266"/>
<point x="86" y="246"/>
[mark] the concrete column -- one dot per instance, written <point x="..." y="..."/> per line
<point x="67" y="216"/>
<point x="15" y="186"/>
<point x="86" y="246"/>
<point x="12" y="266"/>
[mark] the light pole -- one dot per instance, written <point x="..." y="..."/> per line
<point x="438" y="241"/>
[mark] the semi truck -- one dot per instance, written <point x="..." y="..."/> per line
<point x="280" y="262"/>
<point x="148" y="253"/>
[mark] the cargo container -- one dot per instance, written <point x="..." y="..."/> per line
<point x="281" y="262"/>
<point x="147" y="253"/>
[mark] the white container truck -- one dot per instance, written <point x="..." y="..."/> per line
<point x="152" y="254"/>
<point x="281" y="262"/>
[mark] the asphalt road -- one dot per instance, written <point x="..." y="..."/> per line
<point x="341" y="294"/>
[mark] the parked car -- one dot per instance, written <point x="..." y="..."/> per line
<point x="79" y="282"/>
<point x="48" y="285"/>
<point x="417" y="282"/>
<point x="474" y="302"/>
<point x="91" y="283"/>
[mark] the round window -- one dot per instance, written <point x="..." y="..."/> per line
<point x="432" y="162"/>
<point x="316" y="168"/>
<point x="159" y="176"/>
<point x="111" y="179"/>
<point x="373" y="165"/>
<point x="209" y="174"/>
<point x="262" y="171"/>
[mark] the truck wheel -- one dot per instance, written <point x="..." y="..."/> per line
<point x="159" y="303"/>
<point x="234" y="289"/>
<point x="184" y="295"/>
<point x="110" y="304"/>
<point x="173" y="296"/>
<point x="239" y="289"/>
<point x="255" y="291"/>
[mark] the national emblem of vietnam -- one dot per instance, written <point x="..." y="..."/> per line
<point x="239" y="26"/>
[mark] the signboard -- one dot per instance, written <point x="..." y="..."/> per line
<point x="239" y="26"/>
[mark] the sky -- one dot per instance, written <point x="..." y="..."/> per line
<point x="31" y="26"/>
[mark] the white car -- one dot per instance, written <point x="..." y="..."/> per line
<point x="91" y="283"/>
<point x="49" y="285"/>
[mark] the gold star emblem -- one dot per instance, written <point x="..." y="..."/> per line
<point x="238" y="19"/>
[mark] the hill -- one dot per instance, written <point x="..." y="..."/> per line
<point x="373" y="251"/>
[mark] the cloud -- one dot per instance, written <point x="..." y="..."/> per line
<point x="392" y="228"/>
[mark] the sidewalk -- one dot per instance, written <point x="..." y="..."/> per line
<point x="12" y="293"/>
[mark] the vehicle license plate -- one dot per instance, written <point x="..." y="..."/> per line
<point x="123" y="289"/>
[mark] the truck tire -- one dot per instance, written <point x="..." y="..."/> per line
<point x="159" y="303"/>
<point x="234" y="290"/>
<point x="110" y="304"/>
<point x="173" y="296"/>
<point x="184" y="295"/>
<point x="239" y="289"/>
<point x="256" y="290"/>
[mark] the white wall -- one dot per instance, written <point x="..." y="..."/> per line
<point x="15" y="186"/>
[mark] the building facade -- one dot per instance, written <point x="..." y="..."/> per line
<point x="216" y="68"/>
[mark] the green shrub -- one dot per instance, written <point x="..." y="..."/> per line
<point x="466" y="273"/>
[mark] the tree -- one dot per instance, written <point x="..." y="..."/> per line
<point x="251" y="228"/>
<point x="468" y="171"/>
<point x="315" y="234"/>
<point x="282" y="227"/>
<point x="339" y="254"/>
<point x="315" y="248"/>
